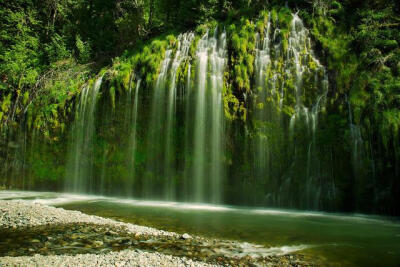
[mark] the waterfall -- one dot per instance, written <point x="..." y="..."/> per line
<point x="182" y="156"/>
<point x="211" y="58"/>
<point x="359" y="157"/>
<point x="200" y="119"/>
<point x="184" y="43"/>
<point x="81" y="156"/>
<point x="132" y="143"/>
<point x="202" y="123"/>
<point x="355" y="140"/>
<point x="262" y="56"/>
<point x="156" y="135"/>
<point x="262" y="62"/>
<point x="218" y="60"/>
<point x="290" y="81"/>
<point x="163" y="125"/>
<point x="183" y="152"/>
<point x="299" y="50"/>
<point x="187" y="142"/>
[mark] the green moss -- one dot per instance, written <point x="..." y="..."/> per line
<point x="231" y="106"/>
<point x="242" y="44"/>
<point x="260" y="27"/>
<point x="274" y="17"/>
<point x="284" y="33"/>
<point x="389" y="128"/>
<point x="171" y="40"/>
<point x="112" y="95"/>
<point x="243" y="112"/>
<point x="124" y="75"/>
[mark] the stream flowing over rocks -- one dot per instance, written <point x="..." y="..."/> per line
<point x="33" y="234"/>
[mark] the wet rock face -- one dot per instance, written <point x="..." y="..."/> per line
<point x="81" y="238"/>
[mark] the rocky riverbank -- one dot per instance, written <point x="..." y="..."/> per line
<point x="123" y="258"/>
<point x="15" y="215"/>
<point x="33" y="234"/>
<point x="22" y="214"/>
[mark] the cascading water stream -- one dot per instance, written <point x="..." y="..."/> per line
<point x="202" y="105"/>
<point x="200" y="119"/>
<point x="163" y="120"/>
<point x="359" y="158"/>
<point x="187" y="144"/>
<point x="262" y="62"/>
<point x="298" y="42"/>
<point x="133" y="136"/>
<point x="356" y="141"/>
<point x="79" y="168"/>
<point x="207" y="152"/>
<point x="156" y="127"/>
<point x="218" y="63"/>
<point x="184" y="43"/>
<point x="284" y="69"/>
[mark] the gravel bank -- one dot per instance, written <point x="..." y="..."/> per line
<point x="19" y="214"/>
<point x="123" y="258"/>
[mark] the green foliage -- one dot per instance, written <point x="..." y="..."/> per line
<point x="284" y="18"/>
<point x="377" y="89"/>
<point x="19" y="50"/>
<point x="49" y="106"/>
<point x="83" y="50"/>
<point x="57" y="49"/>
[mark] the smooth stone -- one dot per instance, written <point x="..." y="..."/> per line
<point x="185" y="236"/>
